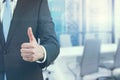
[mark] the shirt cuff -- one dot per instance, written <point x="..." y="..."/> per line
<point x="44" y="59"/>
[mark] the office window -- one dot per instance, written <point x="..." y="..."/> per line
<point x="117" y="20"/>
<point x="99" y="19"/>
<point x="83" y="19"/>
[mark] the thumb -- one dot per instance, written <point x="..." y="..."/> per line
<point x="30" y="35"/>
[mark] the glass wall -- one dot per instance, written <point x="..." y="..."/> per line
<point x="83" y="19"/>
<point x="117" y="20"/>
<point x="99" y="19"/>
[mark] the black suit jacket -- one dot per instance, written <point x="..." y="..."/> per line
<point x="34" y="13"/>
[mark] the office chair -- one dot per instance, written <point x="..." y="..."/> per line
<point x="90" y="59"/>
<point x="112" y="66"/>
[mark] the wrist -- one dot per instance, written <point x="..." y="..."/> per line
<point x="43" y="54"/>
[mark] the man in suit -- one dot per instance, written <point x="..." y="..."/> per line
<point x="21" y="56"/>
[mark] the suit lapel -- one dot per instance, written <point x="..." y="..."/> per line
<point x="14" y="23"/>
<point x="19" y="17"/>
<point x="2" y="39"/>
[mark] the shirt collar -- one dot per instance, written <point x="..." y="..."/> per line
<point x="5" y="0"/>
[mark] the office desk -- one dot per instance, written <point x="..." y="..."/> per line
<point x="78" y="50"/>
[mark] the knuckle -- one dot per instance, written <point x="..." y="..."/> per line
<point x="32" y="45"/>
<point x="22" y="45"/>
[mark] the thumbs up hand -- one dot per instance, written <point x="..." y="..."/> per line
<point x="31" y="51"/>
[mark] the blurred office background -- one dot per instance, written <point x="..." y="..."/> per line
<point x="78" y="20"/>
<point x="83" y="19"/>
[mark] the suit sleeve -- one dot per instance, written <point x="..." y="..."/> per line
<point x="47" y="34"/>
